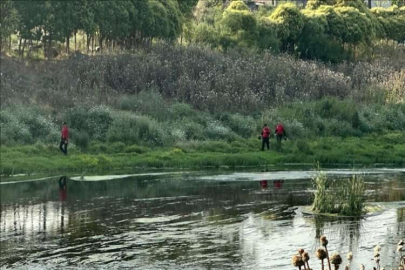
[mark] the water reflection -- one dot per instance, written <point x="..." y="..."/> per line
<point x="181" y="222"/>
<point x="63" y="188"/>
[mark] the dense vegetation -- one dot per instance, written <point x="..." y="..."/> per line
<point x="331" y="31"/>
<point x="168" y="104"/>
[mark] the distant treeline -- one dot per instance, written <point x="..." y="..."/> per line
<point x="123" y="23"/>
<point x="328" y="30"/>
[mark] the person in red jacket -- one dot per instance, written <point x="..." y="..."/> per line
<point x="64" y="138"/>
<point x="280" y="134"/>
<point x="265" y="137"/>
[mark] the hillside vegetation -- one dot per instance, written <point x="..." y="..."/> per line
<point x="146" y="100"/>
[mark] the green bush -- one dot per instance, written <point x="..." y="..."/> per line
<point x="303" y="147"/>
<point x="98" y="122"/>
<point x="135" y="149"/>
<point x="182" y="110"/>
<point x="131" y="129"/>
<point x="81" y="139"/>
<point x="25" y="125"/>
<point x="149" y="103"/>
<point x="116" y="147"/>
<point x="243" y="126"/>
<point x="124" y="128"/>
<point x="215" y="130"/>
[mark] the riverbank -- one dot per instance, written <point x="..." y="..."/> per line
<point x="388" y="149"/>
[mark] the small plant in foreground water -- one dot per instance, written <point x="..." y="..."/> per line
<point x="301" y="259"/>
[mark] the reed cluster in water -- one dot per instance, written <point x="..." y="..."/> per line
<point x="301" y="260"/>
<point x="340" y="196"/>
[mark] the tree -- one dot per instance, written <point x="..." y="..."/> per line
<point x="239" y="25"/>
<point x="289" y="22"/>
<point x="9" y="21"/>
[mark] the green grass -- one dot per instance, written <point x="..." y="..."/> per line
<point x="386" y="149"/>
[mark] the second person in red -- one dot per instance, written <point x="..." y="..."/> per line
<point x="265" y="137"/>
<point x="64" y="140"/>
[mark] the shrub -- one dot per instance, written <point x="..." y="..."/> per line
<point x="243" y="126"/>
<point x="124" y="128"/>
<point x="135" y="149"/>
<point x="117" y="147"/>
<point x="149" y="103"/>
<point x="216" y="131"/>
<point x="81" y="139"/>
<point x="303" y="147"/>
<point x="98" y="122"/>
<point x="182" y="110"/>
<point x="339" y="128"/>
<point x="295" y="129"/>
<point x="130" y="129"/>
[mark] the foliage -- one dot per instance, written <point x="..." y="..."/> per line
<point x="389" y="149"/>
<point x="339" y="196"/>
<point x="289" y="23"/>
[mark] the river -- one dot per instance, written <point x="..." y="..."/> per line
<point x="190" y="220"/>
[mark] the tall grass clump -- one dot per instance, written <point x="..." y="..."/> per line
<point x="339" y="196"/>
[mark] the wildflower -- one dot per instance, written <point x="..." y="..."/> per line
<point x="305" y="256"/>
<point x="377" y="249"/>
<point x="297" y="261"/>
<point x="321" y="254"/>
<point x="350" y="256"/>
<point x="336" y="260"/>
<point x="324" y="241"/>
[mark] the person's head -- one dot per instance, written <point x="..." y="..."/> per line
<point x="64" y="124"/>
<point x="265" y="125"/>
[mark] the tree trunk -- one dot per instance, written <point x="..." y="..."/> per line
<point x="19" y="47"/>
<point x="369" y="3"/>
<point x="75" y="41"/>
<point x="23" y="49"/>
<point x="88" y="38"/>
<point x="67" y="44"/>
<point x="50" y="44"/>
<point x="92" y="44"/>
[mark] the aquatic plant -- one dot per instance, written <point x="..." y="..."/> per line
<point x="349" y="257"/>
<point x="401" y="249"/>
<point x="336" y="260"/>
<point x="297" y="261"/>
<point x="341" y="196"/>
<point x="322" y="255"/>
<point x="305" y="257"/>
<point x="324" y="243"/>
<point x="377" y="250"/>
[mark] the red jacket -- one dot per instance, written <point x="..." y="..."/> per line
<point x="279" y="130"/>
<point x="65" y="133"/>
<point x="266" y="132"/>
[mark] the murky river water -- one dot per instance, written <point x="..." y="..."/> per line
<point x="191" y="221"/>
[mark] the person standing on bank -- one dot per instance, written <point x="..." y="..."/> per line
<point x="280" y="134"/>
<point x="265" y="137"/>
<point x="64" y="138"/>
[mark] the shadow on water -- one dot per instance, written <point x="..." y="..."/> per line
<point x="167" y="222"/>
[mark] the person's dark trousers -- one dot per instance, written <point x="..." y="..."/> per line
<point x="63" y="146"/>
<point x="279" y="138"/>
<point x="266" y="141"/>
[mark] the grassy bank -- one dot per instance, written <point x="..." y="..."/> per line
<point x="387" y="149"/>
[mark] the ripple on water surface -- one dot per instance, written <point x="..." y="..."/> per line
<point x="199" y="222"/>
